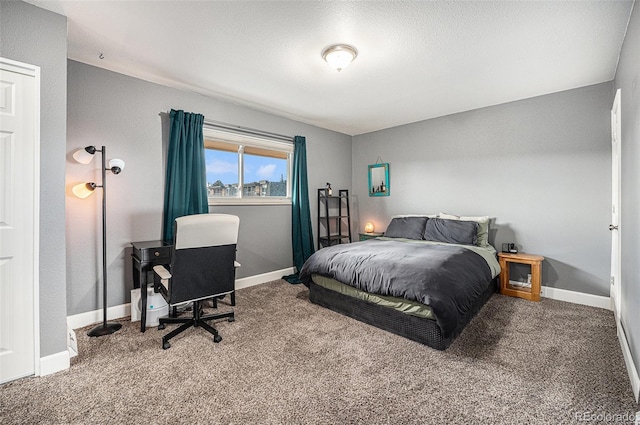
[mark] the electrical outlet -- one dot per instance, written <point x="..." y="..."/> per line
<point x="72" y="343"/>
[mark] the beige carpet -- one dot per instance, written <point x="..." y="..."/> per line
<point x="287" y="361"/>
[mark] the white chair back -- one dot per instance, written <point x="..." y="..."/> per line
<point x="200" y="230"/>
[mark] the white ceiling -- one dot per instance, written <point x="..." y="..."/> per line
<point x="417" y="59"/>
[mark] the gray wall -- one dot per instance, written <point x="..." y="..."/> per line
<point x="124" y="114"/>
<point x="540" y="167"/>
<point x="627" y="78"/>
<point x="39" y="37"/>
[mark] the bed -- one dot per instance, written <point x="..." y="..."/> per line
<point x="425" y="279"/>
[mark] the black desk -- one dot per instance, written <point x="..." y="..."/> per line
<point x="145" y="255"/>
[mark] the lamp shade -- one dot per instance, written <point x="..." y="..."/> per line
<point x="84" y="155"/>
<point x="368" y="228"/>
<point x="83" y="190"/>
<point x="116" y="165"/>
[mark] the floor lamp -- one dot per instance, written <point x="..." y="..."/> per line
<point x="84" y="190"/>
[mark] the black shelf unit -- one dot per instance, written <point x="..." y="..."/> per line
<point x="333" y="229"/>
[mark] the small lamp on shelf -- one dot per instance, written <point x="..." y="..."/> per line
<point x="368" y="228"/>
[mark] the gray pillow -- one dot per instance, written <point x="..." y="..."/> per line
<point x="406" y="227"/>
<point x="451" y="231"/>
<point x="483" y="226"/>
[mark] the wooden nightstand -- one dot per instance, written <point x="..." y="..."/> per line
<point x="506" y="288"/>
<point x="365" y="236"/>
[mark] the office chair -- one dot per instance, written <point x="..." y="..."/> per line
<point x="203" y="266"/>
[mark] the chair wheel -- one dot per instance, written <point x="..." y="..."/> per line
<point x="217" y="338"/>
<point x="166" y="345"/>
<point x="231" y="319"/>
<point x="161" y="326"/>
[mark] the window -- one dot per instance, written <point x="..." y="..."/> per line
<point x="246" y="169"/>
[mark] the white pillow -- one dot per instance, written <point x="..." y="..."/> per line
<point x="483" y="226"/>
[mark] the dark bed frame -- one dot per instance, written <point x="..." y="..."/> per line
<point x="424" y="331"/>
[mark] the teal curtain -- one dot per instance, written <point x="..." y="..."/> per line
<point x="186" y="179"/>
<point x="301" y="232"/>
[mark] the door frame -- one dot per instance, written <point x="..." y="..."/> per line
<point x="616" y="193"/>
<point x="33" y="71"/>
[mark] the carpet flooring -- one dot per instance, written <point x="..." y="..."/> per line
<point x="287" y="361"/>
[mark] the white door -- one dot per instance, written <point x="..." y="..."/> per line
<point x="616" y="140"/>
<point x="19" y="187"/>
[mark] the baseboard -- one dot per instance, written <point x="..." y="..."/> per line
<point x="54" y="363"/>
<point x="628" y="360"/>
<point x="119" y="311"/>
<point x="90" y="317"/>
<point x="246" y="282"/>
<point x="576" y="297"/>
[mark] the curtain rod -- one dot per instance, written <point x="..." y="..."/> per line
<point x="247" y="130"/>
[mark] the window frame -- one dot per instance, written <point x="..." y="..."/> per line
<point x="244" y="140"/>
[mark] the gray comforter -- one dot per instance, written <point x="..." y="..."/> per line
<point x="448" y="278"/>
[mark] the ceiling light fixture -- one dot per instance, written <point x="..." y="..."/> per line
<point x="339" y="56"/>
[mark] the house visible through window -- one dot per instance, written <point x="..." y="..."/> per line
<point x="246" y="169"/>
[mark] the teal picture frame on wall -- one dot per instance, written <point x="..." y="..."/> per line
<point x="379" y="179"/>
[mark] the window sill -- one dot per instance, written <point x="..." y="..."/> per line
<point x="259" y="201"/>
